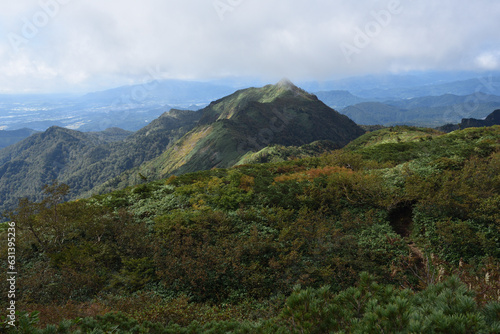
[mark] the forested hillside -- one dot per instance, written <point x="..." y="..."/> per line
<point x="83" y="159"/>
<point x="397" y="232"/>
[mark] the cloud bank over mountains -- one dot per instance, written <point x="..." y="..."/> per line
<point x="77" y="45"/>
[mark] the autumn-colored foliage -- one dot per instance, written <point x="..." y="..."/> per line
<point x="311" y="174"/>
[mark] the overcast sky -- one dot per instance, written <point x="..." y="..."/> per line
<point x="87" y="45"/>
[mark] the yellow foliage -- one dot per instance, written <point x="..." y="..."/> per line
<point x="247" y="182"/>
<point x="313" y="173"/>
<point x="171" y="179"/>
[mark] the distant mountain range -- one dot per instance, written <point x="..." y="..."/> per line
<point x="173" y="92"/>
<point x="177" y="142"/>
<point x="430" y="111"/>
<point x="400" y="86"/>
<point x="485" y="85"/>
<point x="339" y="99"/>
<point x="412" y="100"/>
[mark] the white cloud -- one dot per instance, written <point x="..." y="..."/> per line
<point x="489" y="60"/>
<point x="93" y="44"/>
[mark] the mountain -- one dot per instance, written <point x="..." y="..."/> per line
<point x="338" y="98"/>
<point x="371" y="113"/>
<point x="8" y="138"/>
<point x="252" y="119"/>
<point x="444" y="100"/>
<point x="173" y="92"/>
<point x="490" y="120"/>
<point x="26" y="166"/>
<point x="248" y="121"/>
<point x="429" y="111"/>
<point x="83" y="160"/>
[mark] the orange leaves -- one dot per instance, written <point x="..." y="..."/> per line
<point x="171" y="179"/>
<point x="53" y="313"/>
<point x="247" y="182"/>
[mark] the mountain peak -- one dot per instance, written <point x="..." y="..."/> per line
<point x="282" y="92"/>
<point x="284" y="88"/>
<point x="285" y="83"/>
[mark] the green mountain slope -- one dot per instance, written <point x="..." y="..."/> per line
<point x="401" y="144"/>
<point x="279" y="153"/>
<point x="248" y="121"/>
<point x="37" y="160"/>
<point x="391" y="135"/>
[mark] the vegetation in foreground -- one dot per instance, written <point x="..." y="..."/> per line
<point x="386" y="235"/>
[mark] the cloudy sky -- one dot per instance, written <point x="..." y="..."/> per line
<point x="86" y="45"/>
